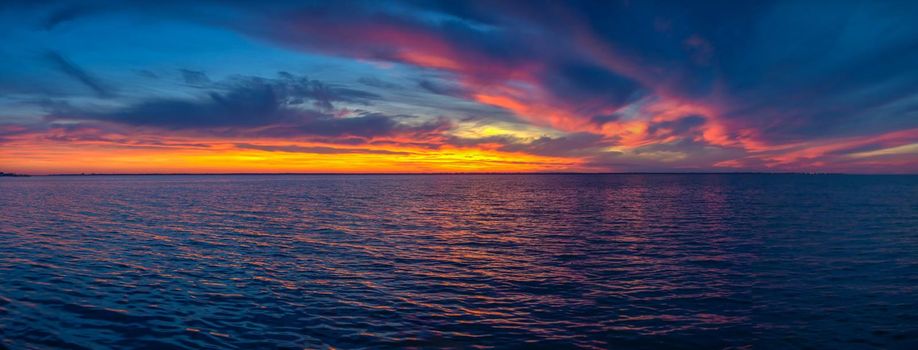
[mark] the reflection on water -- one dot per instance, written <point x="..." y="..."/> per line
<point x="624" y="261"/>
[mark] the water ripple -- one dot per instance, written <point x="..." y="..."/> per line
<point x="465" y="261"/>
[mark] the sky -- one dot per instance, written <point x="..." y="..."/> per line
<point x="458" y="86"/>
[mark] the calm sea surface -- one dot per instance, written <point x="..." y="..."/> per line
<point x="459" y="261"/>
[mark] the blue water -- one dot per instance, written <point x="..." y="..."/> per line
<point x="459" y="261"/>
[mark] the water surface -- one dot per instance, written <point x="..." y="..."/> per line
<point x="458" y="261"/>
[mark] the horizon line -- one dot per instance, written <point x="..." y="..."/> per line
<point x="467" y="173"/>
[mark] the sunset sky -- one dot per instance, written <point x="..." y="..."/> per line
<point x="458" y="86"/>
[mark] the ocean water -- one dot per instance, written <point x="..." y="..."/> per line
<point x="459" y="261"/>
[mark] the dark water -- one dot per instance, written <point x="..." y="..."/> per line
<point x="503" y="261"/>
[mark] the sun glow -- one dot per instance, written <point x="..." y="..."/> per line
<point x="226" y="158"/>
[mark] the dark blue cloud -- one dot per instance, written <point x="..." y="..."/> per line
<point x="576" y="82"/>
<point x="193" y="77"/>
<point x="377" y="83"/>
<point x="366" y="126"/>
<point x="676" y="127"/>
<point x="74" y="71"/>
<point x="442" y="89"/>
<point x="258" y="107"/>
<point x="66" y="13"/>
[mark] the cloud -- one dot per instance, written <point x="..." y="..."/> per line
<point x="681" y="155"/>
<point x="10" y="131"/>
<point x="577" y="144"/>
<point x="260" y="107"/>
<point x="65" y="14"/>
<point x="244" y="101"/>
<point x="69" y="68"/>
<point x="377" y="83"/>
<point x="245" y="106"/>
<point x="442" y="89"/>
<point x="366" y="126"/>
<point x="600" y="120"/>
<point x="317" y="149"/>
<point x="323" y="95"/>
<point x="194" y="78"/>
<point x="677" y="127"/>
<point x="579" y="82"/>
<point x="571" y="145"/>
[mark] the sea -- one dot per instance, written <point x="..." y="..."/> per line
<point x="500" y="261"/>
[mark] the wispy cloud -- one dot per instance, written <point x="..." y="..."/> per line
<point x="74" y="71"/>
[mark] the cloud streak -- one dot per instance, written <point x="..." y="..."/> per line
<point x="74" y="71"/>
<point x="317" y="149"/>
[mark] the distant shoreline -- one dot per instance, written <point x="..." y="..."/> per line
<point x="2" y="174"/>
<point x="454" y="173"/>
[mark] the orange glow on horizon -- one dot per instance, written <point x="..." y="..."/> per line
<point x="98" y="157"/>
